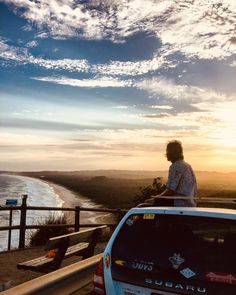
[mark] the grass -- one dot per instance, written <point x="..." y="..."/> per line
<point x="41" y="235"/>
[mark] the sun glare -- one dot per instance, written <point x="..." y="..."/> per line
<point x="226" y="134"/>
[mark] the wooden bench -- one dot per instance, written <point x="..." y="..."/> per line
<point x="81" y="243"/>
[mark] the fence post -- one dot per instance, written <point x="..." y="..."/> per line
<point x="9" y="232"/>
<point x="77" y="218"/>
<point x="23" y="221"/>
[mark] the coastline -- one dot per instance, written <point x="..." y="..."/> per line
<point x="72" y="199"/>
<point x="10" y="275"/>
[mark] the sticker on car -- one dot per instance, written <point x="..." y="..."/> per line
<point x="221" y="277"/>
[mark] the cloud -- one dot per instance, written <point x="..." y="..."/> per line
<point x="120" y="107"/>
<point x="172" y="91"/>
<point x="88" y="83"/>
<point x="38" y="124"/>
<point x="22" y="56"/>
<point x="32" y="44"/>
<point x="48" y="123"/>
<point x="161" y="107"/>
<point x="16" y="54"/>
<point x="153" y="116"/>
<point x="86" y="144"/>
<point x="233" y="64"/>
<point x="132" y="68"/>
<point x="200" y="28"/>
<point x="215" y="126"/>
<point x="27" y="28"/>
<point x="11" y="139"/>
<point x="180" y="123"/>
<point x="33" y="113"/>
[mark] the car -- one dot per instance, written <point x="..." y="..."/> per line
<point x="170" y="251"/>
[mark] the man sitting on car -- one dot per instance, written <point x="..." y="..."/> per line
<point x="181" y="180"/>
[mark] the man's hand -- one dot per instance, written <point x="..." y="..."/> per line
<point x="151" y="201"/>
<point x="154" y="199"/>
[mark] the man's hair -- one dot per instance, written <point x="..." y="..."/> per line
<point x="174" y="150"/>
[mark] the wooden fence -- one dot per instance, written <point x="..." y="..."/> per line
<point x="23" y="226"/>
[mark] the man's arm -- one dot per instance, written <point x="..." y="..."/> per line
<point x="173" y="180"/>
<point x="167" y="192"/>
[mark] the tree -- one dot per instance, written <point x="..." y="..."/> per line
<point x="146" y="192"/>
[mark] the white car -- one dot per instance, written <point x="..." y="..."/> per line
<point x="170" y="251"/>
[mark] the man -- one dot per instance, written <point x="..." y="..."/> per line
<point x="181" y="178"/>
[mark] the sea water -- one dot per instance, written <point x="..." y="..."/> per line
<point x="39" y="194"/>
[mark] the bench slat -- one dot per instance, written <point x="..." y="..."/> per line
<point x="77" y="243"/>
<point x="73" y="238"/>
<point x="76" y="249"/>
<point x="40" y="261"/>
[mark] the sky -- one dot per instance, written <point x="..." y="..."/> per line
<point x="88" y="85"/>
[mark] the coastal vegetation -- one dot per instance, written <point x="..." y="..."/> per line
<point x="110" y="192"/>
<point x="40" y="236"/>
<point x="117" y="192"/>
<point x="146" y="192"/>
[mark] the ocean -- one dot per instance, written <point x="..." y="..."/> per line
<point x="39" y="194"/>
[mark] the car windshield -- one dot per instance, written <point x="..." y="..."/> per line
<point x="178" y="246"/>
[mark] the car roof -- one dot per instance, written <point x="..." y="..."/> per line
<point x="190" y="211"/>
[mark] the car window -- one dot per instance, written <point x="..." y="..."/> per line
<point x="178" y="246"/>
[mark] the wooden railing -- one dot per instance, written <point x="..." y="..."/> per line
<point x="23" y="226"/>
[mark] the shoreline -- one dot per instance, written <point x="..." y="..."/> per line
<point x="72" y="199"/>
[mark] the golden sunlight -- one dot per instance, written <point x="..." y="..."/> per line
<point x="226" y="131"/>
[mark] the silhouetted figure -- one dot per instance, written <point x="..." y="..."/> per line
<point x="181" y="180"/>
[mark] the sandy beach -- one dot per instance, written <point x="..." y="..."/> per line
<point x="72" y="199"/>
